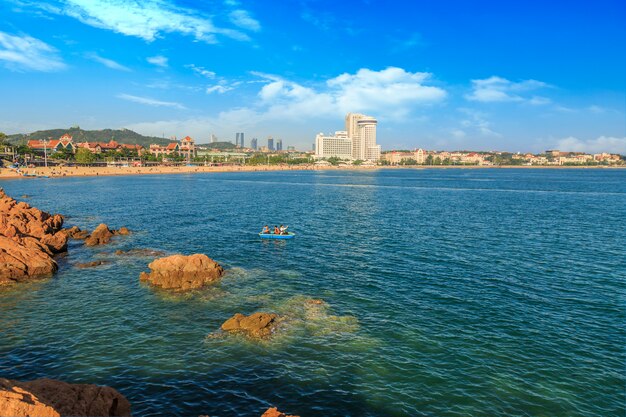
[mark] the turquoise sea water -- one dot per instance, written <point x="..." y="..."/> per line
<point x="449" y="293"/>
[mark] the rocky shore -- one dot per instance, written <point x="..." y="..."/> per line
<point x="29" y="240"/>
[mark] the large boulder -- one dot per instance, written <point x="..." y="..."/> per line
<point x="257" y="325"/>
<point x="51" y="398"/>
<point x="182" y="272"/>
<point x="29" y="238"/>
<point x="101" y="235"/>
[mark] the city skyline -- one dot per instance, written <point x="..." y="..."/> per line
<point x="521" y="79"/>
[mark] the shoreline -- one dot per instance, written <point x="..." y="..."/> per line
<point x="59" y="172"/>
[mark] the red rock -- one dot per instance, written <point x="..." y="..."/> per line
<point x="122" y="231"/>
<point x="101" y="235"/>
<point x="182" y="272"/>
<point x="257" y="325"/>
<point x="273" y="412"/>
<point x="28" y="239"/>
<point x="51" y="398"/>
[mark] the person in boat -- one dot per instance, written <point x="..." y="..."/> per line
<point x="276" y="230"/>
<point x="266" y="230"/>
<point x="283" y="229"/>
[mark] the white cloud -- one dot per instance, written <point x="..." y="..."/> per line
<point x="601" y="144"/>
<point x="146" y="19"/>
<point x="159" y="61"/>
<point x="477" y="121"/>
<point x="218" y="89"/>
<point x="150" y="101"/>
<point x="497" y="89"/>
<point x="384" y="94"/>
<point x="392" y="90"/>
<point x="242" y="19"/>
<point x="539" y="101"/>
<point x="19" y="53"/>
<point x="201" y="71"/>
<point x="107" y="62"/>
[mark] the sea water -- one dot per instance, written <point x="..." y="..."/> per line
<point x="447" y="293"/>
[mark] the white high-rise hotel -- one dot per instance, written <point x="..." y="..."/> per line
<point x="358" y="141"/>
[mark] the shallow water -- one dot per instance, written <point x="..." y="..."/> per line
<point x="449" y="293"/>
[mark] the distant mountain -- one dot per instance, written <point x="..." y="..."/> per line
<point x="80" y="135"/>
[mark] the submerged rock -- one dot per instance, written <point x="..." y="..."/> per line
<point x="139" y="252"/>
<point x="122" y="231"/>
<point x="257" y="325"/>
<point x="182" y="272"/>
<point x="28" y="239"/>
<point x="48" y="397"/>
<point x="90" y="264"/>
<point x="273" y="412"/>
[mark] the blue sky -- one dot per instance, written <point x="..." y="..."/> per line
<point x="516" y="76"/>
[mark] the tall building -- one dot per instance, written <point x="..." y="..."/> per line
<point x="361" y="129"/>
<point x="253" y="143"/>
<point x="239" y="140"/>
<point x="270" y="143"/>
<point x="213" y="138"/>
<point x="279" y="145"/>
<point x="337" y="146"/>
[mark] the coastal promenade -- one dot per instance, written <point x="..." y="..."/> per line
<point x="6" y="173"/>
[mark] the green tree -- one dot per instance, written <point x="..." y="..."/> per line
<point x="429" y="160"/>
<point x="84" y="156"/>
<point x="358" y="162"/>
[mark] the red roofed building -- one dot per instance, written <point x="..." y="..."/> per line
<point x="188" y="148"/>
<point x="52" y="146"/>
<point x="111" y="146"/>
<point x="158" y="150"/>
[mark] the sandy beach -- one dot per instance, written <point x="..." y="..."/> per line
<point x="6" y="173"/>
<point x="155" y="170"/>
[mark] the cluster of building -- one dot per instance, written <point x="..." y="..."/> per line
<point x="550" y="157"/>
<point x="66" y="143"/>
<point x="357" y="142"/>
<point x="240" y="142"/>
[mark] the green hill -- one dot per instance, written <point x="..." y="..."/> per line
<point x="80" y="135"/>
<point x="222" y="146"/>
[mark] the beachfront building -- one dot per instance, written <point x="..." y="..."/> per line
<point x="337" y="146"/>
<point x="54" y="145"/>
<point x="188" y="148"/>
<point x="159" y="150"/>
<point x="110" y="146"/>
<point x="362" y="131"/>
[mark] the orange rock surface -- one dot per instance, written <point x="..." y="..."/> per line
<point x="51" y="398"/>
<point x="28" y="239"/>
<point x="182" y="272"/>
<point x="259" y="325"/>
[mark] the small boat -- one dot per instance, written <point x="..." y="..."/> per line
<point x="289" y="235"/>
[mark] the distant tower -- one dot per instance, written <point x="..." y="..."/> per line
<point x="213" y="138"/>
<point x="253" y="143"/>
<point x="279" y="145"/>
<point x="239" y="140"/>
<point x="270" y="143"/>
